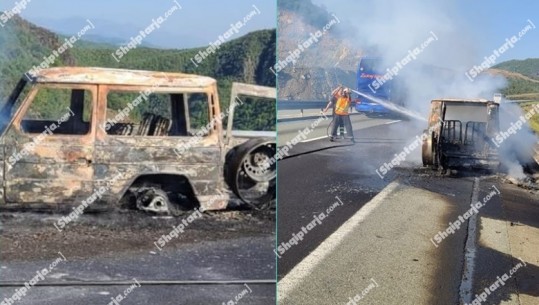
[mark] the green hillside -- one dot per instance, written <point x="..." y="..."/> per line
<point x="311" y="13"/>
<point x="522" y="76"/>
<point x="528" y="67"/>
<point x="522" y="84"/>
<point x="517" y="86"/>
<point x="246" y="59"/>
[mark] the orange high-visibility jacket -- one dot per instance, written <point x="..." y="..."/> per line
<point x="343" y="103"/>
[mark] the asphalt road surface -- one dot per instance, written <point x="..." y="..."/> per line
<point x="99" y="256"/>
<point x="377" y="242"/>
<point x="318" y="170"/>
<point x="288" y="129"/>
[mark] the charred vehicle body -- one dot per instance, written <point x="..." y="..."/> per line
<point x="126" y="138"/>
<point x="459" y="134"/>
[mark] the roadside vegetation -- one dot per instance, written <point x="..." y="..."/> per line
<point x="246" y="59"/>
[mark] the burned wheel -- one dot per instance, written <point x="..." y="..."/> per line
<point x="155" y="200"/>
<point x="251" y="172"/>
<point x="253" y="164"/>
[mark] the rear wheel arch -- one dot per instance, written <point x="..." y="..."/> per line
<point x="177" y="187"/>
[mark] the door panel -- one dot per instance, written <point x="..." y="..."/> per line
<point x="49" y="147"/>
<point x="170" y="134"/>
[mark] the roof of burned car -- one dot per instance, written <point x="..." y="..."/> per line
<point x="462" y="100"/>
<point x="90" y="75"/>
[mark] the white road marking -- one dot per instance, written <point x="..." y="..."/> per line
<point x="470" y="249"/>
<point x="309" y="263"/>
<point x="391" y="122"/>
<point x="313" y="139"/>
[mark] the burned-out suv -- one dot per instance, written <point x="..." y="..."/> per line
<point x="460" y="133"/>
<point x="150" y="140"/>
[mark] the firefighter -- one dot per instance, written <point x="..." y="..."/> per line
<point x="332" y="103"/>
<point x="341" y="114"/>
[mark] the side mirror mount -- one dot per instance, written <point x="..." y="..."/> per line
<point x="498" y="98"/>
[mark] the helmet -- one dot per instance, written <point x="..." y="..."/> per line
<point x="346" y="90"/>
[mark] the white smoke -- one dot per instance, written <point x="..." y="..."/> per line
<point x="518" y="147"/>
<point x="391" y="28"/>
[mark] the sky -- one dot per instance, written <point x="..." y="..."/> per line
<point x="484" y="23"/>
<point x="196" y="24"/>
<point x="493" y="21"/>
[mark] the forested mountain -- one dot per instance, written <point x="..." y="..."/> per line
<point x="246" y="59"/>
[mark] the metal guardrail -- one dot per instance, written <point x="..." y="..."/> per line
<point x="517" y="101"/>
<point x="299" y="105"/>
<point x="254" y="134"/>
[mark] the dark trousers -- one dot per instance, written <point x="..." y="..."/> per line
<point x="340" y="126"/>
<point x="342" y="119"/>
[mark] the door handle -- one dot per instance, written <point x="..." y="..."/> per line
<point x="86" y="161"/>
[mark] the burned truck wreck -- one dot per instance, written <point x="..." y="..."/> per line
<point x="459" y="134"/>
<point x="130" y="139"/>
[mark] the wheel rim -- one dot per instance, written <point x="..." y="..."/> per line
<point x="253" y="175"/>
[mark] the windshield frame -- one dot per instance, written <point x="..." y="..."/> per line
<point x="5" y="114"/>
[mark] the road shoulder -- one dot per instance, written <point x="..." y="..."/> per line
<point x="391" y="247"/>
